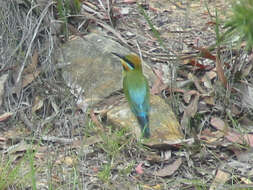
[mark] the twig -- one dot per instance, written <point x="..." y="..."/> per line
<point x="95" y="120"/>
<point x="35" y="32"/>
<point x="26" y="121"/>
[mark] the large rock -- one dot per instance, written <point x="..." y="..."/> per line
<point x="89" y="67"/>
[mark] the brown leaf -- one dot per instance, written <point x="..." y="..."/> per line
<point x="209" y="100"/>
<point x="196" y="64"/>
<point x="190" y="111"/>
<point x="32" y="67"/>
<point x="206" y="79"/>
<point x="29" y="78"/>
<point x="196" y="83"/>
<point x="158" y="84"/>
<point x="205" y="53"/>
<point x="220" y="73"/>
<point x="220" y="178"/>
<point x="96" y="121"/>
<point x="210" y="137"/>
<point x="193" y="107"/>
<point x="38" y="103"/>
<point x="239" y="138"/>
<point x="189" y="94"/>
<point x="31" y="72"/>
<point x="170" y="169"/>
<point x="78" y="144"/>
<point x="231" y="135"/>
<point x="218" y="124"/>
<point x="69" y="161"/>
<point x="5" y="116"/>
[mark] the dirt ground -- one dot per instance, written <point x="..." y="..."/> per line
<point x="48" y="142"/>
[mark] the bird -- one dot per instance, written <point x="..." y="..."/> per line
<point x="136" y="90"/>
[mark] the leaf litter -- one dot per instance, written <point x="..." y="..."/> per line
<point x="209" y="158"/>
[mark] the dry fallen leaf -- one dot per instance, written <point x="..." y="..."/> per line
<point x="170" y="169"/>
<point x="193" y="107"/>
<point x="209" y="100"/>
<point x="139" y="169"/>
<point x="218" y="124"/>
<point x="220" y="73"/>
<point x="190" y="111"/>
<point x="5" y="116"/>
<point x="158" y="85"/>
<point x="239" y="138"/>
<point x="220" y="179"/>
<point x="34" y="63"/>
<point x="69" y="161"/>
<point x="37" y="104"/>
<point x="86" y="142"/>
<point x="189" y="94"/>
<point x="210" y="137"/>
<point x="232" y="136"/>
<point x="31" y="72"/>
<point x="29" y="78"/>
<point x="196" y="65"/>
<point x="207" y="78"/>
<point x="196" y="83"/>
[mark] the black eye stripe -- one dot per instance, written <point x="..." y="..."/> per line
<point x="129" y="63"/>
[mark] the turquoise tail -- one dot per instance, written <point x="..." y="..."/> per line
<point x="144" y="123"/>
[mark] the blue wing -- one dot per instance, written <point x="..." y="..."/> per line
<point x="140" y="107"/>
<point x="138" y="97"/>
<point x="137" y="92"/>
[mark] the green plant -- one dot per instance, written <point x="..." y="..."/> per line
<point x="63" y="11"/>
<point x="112" y="144"/>
<point x="241" y="22"/>
<point x="127" y="170"/>
<point x="105" y="173"/>
<point x="9" y="173"/>
<point x="155" y="32"/>
<point x="65" y="8"/>
<point x="32" y="174"/>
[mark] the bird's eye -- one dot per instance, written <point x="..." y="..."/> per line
<point x="129" y="64"/>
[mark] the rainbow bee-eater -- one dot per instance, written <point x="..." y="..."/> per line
<point x="136" y="90"/>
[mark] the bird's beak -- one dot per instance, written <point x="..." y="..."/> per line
<point x="118" y="55"/>
<point x="123" y="60"/>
